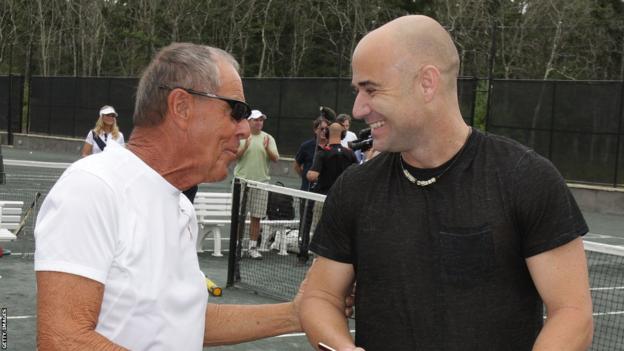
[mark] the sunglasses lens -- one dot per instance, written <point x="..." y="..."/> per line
<point x="240" y="110"/>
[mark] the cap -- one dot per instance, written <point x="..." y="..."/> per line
<point x="105" y="110"/>
<point x="256" y="114"/>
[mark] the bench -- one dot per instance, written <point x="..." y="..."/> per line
<point x="213" y="211"/>
<point x="10" y="218"/>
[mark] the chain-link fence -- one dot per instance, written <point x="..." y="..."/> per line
<point x="576" y="124"/>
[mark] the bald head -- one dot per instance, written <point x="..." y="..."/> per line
<point x="335" y="130"/>
<point x="415" y="41"/>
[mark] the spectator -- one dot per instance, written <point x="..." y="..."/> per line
<point x="115" y="238"/>
<point x="303" y="162"/>
<point x="254" y="154"/>
<point x="457" y="239"/>
<point x="327" y="113"/>
<point x="331" y="161"/>
<point x="307" y="150"/>
<point x="345" y="120"/>
<point x="105" y="131"/>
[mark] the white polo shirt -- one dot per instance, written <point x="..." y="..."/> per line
<point x="113" y="219"/>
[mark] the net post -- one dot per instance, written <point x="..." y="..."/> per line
<point x="233" y="231"/>
<point x="2" y="174"/>
<point x="304" y="235"/>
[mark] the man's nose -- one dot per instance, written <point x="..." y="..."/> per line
<point x="361" y="107"/>
<point x="242" y="129"/>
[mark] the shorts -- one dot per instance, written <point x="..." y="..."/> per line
<point x="257" y="200"/>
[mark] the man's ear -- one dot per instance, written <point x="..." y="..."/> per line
<point x="179" y="107"/>
<point x="429" y="82"/>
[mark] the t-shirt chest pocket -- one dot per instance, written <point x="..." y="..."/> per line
<point x="467" y="255"/>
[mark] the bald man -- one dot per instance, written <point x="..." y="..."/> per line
<point x="456" y="238"/>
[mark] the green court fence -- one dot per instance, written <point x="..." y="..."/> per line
<point x="578" y="125"/>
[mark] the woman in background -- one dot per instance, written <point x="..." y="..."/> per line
<point x="105" y="131"/>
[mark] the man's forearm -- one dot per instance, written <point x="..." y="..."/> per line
<point x="326" y="323"/>
<point x="273" y="156"/>
<point x="232" y="324"/>
<point x="566" y="329"/>
<point x="298" y="168"/>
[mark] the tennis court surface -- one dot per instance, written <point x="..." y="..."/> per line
<point x="272" y="279"/>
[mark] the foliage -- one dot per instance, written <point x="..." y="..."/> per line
<point x="555" y="39"/>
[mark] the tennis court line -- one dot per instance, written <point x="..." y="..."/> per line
<point x="608" y="288"/>
<point x="590" y="235"/>
<point x="25" y="163"/>
<point x="21" y="317"/>
<point x="607" y="313"/>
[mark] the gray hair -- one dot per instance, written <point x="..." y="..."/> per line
<point x="183" y="65"/>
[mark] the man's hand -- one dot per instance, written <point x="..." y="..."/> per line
<point x="350" y="302"/>
<point x="273" y="156"/>
<point x="241" y="150"/>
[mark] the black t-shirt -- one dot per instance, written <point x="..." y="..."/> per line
<point x="305" y="157"/>
<point x="443" y="267"/>
<point x="330" y="162"/>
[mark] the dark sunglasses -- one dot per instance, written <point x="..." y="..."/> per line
<point x="240" y="109"/>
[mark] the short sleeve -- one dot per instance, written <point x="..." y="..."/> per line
<point x="122" y="142"/>
<point x="273" y="145"/>
<point x="89" y="139"/>
<point x="332" y="237"/>
<point x="76" y="228"/>
<point x="300" y="156"/>
<point x="317" y="164"/>
<point x="545" y="210"/>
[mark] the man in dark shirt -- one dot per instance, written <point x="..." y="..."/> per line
<point x="307" y="150"/>
<point x="330" y="161"/>
<point x="458" y="240"/>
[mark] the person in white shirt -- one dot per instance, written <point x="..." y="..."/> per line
<point x="105" y="132"/>
<point x="349" y="137"/>
<point x="115" y="238"/>
<point x="345" y="120"/>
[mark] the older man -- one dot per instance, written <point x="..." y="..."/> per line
<point x="115" y="255"/>
<point x="456" y="238"/>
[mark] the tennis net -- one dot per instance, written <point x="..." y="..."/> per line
<point x="606" y="278"/>
<point x="285" y="259"/>
<point x="285" y="219"/>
